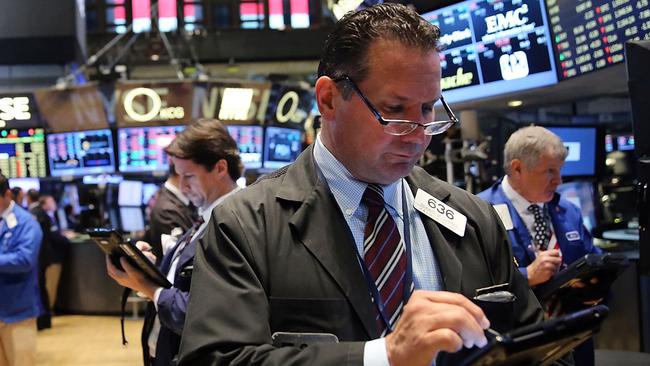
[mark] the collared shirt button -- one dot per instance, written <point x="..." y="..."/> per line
<point x="349" y="211"/>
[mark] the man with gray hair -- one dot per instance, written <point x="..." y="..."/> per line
<point x="545" y="229"/>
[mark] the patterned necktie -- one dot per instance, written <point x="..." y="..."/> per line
<point x="384" y="256"/>
<point x="542" y="230"/>
<point x="186" y="238"/>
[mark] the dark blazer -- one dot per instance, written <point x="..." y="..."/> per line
<point x="172" y="306"/>
<point x="168" y="213"/>
<point x="279" y="256"/>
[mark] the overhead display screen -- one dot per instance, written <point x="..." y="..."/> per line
<point x="590" y="34"/>
<point x="493" y="47"/>
<point x="141" y="149"/>
<point x="249" y="141"/>
<point x="80" y="153"/>
<point x="22" y="153"/>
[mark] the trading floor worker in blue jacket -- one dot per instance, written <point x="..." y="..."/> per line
<point x="20" y="301"/>
<point x="545" y="230"/>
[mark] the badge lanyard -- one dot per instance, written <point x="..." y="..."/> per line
<point x="408" y="276"/>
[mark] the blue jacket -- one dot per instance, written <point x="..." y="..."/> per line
<point x="19" y="247"/>
<point x="172" y="307"/>
<point x="574" y="238"/>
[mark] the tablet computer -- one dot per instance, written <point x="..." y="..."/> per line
<point x="539" y="344"/>
<point x="116" y="247"/>
<point x="605" y="267"/>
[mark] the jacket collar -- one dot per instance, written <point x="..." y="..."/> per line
<point x="318" y="216"/>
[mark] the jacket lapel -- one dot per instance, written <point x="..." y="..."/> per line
<point x="443" y="246"/>
<point x="320" y="225"/>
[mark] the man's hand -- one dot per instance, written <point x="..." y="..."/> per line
<point x="145" y="248"/>
<point x="544" y="266"/>
<point x="131" y="277"/>
<point x="432" y="322"/>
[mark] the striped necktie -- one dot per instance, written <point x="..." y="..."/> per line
<point x="384" y="256"/>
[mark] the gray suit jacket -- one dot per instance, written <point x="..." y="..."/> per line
<point x="279" y="256"/>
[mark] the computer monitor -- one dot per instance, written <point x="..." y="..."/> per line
<point x="281" y="146"/>
<point x="249" y="140"/>
<point x="129" y="193"/>
<point x="141" y="149"/>
<point x="493" y="47"/>
<point x="148" y="190"/>
<point x="581" y="143"/>
<point x="22" y="153"/>
<point x="81" y="153"/>
<point x="131" y="219"/>
<point x="581" y="194"/>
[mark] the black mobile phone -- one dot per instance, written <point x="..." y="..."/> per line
<point x="116" y="247"/>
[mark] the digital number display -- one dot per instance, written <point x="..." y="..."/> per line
<point x="22" y="153"/>
<point x="80" y="153"/>
<point x="590" y="34"/>
<point x="141" y="149"/>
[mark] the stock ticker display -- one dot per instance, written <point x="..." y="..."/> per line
<point x="80" y="153"/>
<point x="22" y="153"/>
<point x="249" y="141"/>
<point x="590" y="34"/>
<point x="141" y="149"/>
<point x="492" y="47"/>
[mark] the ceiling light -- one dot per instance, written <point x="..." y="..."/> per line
<point x="515" y="103"/>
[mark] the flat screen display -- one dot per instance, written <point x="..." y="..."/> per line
<point x="249" y="140"/>
<point x="581" y="143"/>
<point x="131" y="219"/>
<point x="148" y="190"/>
<point x="22" y="153"/>
<point x="141" y="149"/>
<point x="581" y="194"/>
<point x="493" y="47"/>
<point x="129" y="193"/>
<point x="81" y="153"/>
<point x="590" y="34"/>
<point x="281" y="146"/>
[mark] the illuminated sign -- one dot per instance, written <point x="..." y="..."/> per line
<point x="235" y="104"/>
<point x="164" y="103"/>
<point x="241" y="102"/>
<point x="493" y="47"/>
<point x="289" y="104"/>
<point x="16" y="108"/>
<point x="589" y="34"/>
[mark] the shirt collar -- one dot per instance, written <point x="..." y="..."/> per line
<point x="347" y="189"/>
<point x="521" y="204"/>
<point x="177" y="192"/>
<point x="206" y="211"/>
<point x="9" y="209"/>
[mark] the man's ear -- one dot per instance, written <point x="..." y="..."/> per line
<point x="221" y="166"/>
<point x="326" y="90"/>
<point x="516" y="166"/>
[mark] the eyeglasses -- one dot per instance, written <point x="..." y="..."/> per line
<point x="400" y="127"/>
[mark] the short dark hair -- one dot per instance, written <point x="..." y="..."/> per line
<point x="15" y="191"/>
<point x="346" y="48"/>
<point x="33" y="195"/>
<point x="4" y="184"/>
<point x="205" y="142"/>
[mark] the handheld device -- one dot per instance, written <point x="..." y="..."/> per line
<point x="112" y="243"/>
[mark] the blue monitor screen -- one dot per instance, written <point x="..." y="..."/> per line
<point x="581" y="143"/>
<point x="281" y="146"/>
<point x="493" y="47"/>
<point x="81" y="153"/>
<point x="141" y="149"/>
<point x="249" y="140"/>
<point x="581" y="194"/>
<point x="625" y="142"/>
